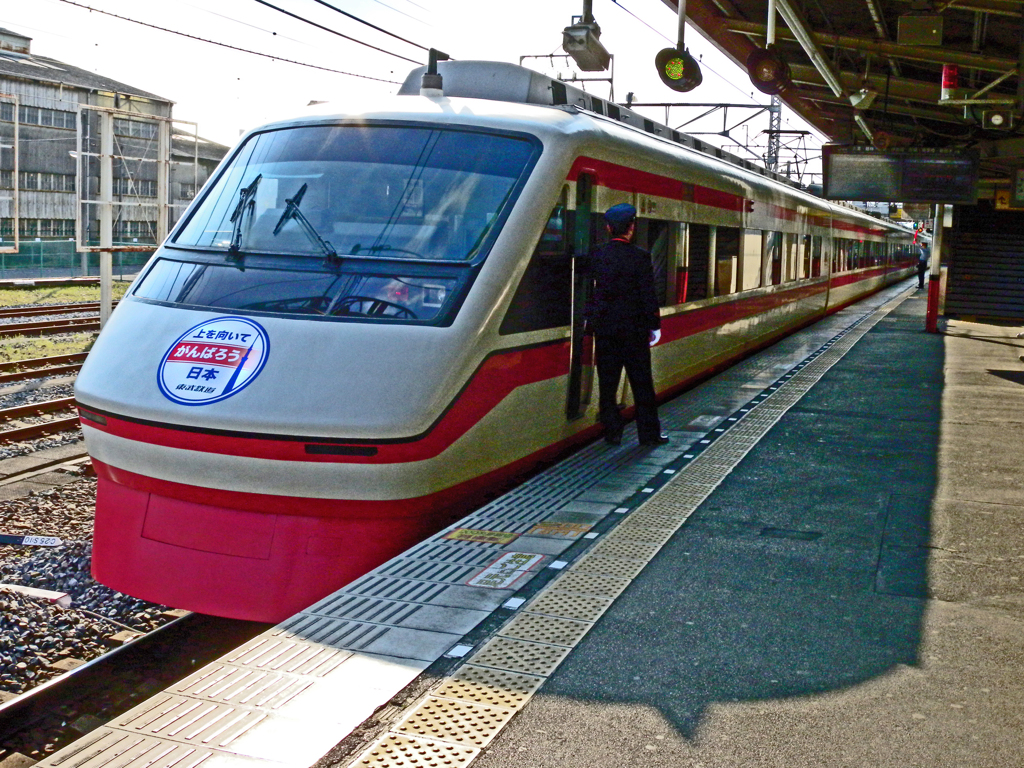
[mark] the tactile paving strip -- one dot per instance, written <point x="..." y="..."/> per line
<point x="611" y="566"/>
<point x="599" y="584"/>
<point x="456" y="722"/>
<point x="520" y="656"/>
<point x="510" y="690"/>
<point x="546" y="629"/>
<point x="627" y="550"/>
<point x="570" y="606"/>
<point x="395" y="750"/>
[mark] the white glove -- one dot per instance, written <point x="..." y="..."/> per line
<point x="655" y="336"/>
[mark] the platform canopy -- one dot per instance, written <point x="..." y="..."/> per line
<point x="872" y="71"/>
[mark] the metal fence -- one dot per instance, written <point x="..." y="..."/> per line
<point x="58" y="258"/>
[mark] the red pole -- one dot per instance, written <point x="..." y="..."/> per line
<point x="931" y="323"/>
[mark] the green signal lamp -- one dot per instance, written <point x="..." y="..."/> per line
<point x="678" y="69"/>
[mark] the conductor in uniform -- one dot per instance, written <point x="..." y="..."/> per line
<point x="623" y="315"/>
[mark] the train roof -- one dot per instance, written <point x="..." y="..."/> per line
<point x="506" y="96"/>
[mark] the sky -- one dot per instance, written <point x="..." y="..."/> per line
<point x="226" y="91"/>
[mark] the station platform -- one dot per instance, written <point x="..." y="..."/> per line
<point x="823" y="568"/>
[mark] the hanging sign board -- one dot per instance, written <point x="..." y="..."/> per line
<point x="863" y="173"/>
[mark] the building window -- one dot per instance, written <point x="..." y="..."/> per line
<point x="52" y="118"/>
<point x="135" y="187"/>
<point x="135" y="128"/>
<point x="52" y="228"/>
<point x="135" y="230"/>
<point x="188" y="191"/>
<point x="48" y="182"/>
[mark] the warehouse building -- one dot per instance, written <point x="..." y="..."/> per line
<point x="52" y="182"/>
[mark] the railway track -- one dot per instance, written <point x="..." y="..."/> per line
<point x="91" y="323"/>
<point x="38" y="368"/>
<point x="50" y="309"/>
<point x="58" y="712"/>
<point x="47" y="327"/>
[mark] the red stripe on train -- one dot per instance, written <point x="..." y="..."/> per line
<point x="627" y="179"/>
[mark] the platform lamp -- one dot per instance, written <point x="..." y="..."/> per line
<point x="767" y="70"/>
<point x="676" y="67"/>
<point x="582" y="41"/>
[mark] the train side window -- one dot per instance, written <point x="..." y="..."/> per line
<point x="792" y="247"/>
<point x="816" y="256"/>
<point x="544" y="296"/>
<point x="656" y="237"/>
<point x="773" y="248"/>
<point x="752" y="246"/>
<point x="697" y="258"/>
<point x="805" y="256"/>
<point x="727" y="251"/>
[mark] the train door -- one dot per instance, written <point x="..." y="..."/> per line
<point x="581" y="348"/>
<point x="698" y="256"/>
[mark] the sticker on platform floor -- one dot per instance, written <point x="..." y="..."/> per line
<point x="560" y="530"/>
<point x="487" y="537"/>
<point x="505" y="571"/>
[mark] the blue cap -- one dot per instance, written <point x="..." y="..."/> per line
<point x="623" y="213"/>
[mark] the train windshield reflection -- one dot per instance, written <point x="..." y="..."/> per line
<point x="407" y="192"/>
<point x="364" y="294"/>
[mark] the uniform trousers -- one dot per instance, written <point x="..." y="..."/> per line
<point x="629" y="350"/>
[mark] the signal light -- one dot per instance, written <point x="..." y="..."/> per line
<point x="678" y="69"/>
<point x="768" y="70"/>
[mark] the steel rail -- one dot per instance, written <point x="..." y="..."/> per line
<point x="36" y="409"/>
<point x="44" y="329"/>
<point x="50" y="309"/>
<point x="18" y="366"/>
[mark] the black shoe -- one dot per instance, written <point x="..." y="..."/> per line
<point x="659" y="440"/>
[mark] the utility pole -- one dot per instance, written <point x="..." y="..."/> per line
<point x="771" y="159"/>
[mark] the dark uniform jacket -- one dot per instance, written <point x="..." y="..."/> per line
<point x="623" y="299"/>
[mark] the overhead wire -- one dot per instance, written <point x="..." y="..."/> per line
<point x="372" y="26"/>
<point x="226" y="45"/>
<point x="335" y="32"/>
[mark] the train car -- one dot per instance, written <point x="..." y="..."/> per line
<point x="365" y="320"/>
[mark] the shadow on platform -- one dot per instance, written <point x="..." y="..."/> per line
<point x="806" y="570"/>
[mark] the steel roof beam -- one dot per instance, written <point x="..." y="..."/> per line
<point x="899" y="87"/>
<point x="885" y="48"/>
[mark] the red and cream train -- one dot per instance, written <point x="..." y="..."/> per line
<point x="366" y="319"/>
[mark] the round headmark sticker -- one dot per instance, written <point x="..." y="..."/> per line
<point x="213" y="361"/>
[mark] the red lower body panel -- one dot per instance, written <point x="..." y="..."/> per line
<point x="227" y="562"/>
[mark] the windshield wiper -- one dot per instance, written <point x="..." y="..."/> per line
<point x="291" y="211"/>
<point x="246" y="199"/>
<point x="357" y="248"/>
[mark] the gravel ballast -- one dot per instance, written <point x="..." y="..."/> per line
<point x="37" y="633"/>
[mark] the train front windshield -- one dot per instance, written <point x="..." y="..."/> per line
<point x="387" y="221"/>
